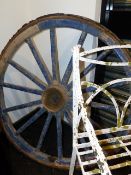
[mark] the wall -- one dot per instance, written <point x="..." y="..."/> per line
<point x="13" y="14"/>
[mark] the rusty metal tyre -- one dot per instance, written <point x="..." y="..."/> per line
<point x="55" y="92"/>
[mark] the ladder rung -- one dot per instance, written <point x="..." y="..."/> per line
<point x="83" y="145"/>
<point x="114" y="139"/>
<point x="113" y="167"/>
<point x="116" y="156"/>
<point x="106" y="131"/>
<point x="89" y="162"/>
<point x="85" y="152"/>
<point x="93" y="172"/>
<point x="83" y="134"/>
<point x="115" y="146"/>
<point x="113" y="129"/>
<point x="94" y="161"/>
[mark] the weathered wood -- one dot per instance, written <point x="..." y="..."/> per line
<point x="48" y="23"/>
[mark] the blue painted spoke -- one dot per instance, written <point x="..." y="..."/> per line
<point x="68" y="116"/>
<point x="22" y="106"/>
<point x="70" y="104"/>
<point x="22" y="88"/>
<point x="69" y="86"/>
<point x="88" y="89"/>
<point x="28" y="74"/>
<point x="103" y="106"/>
<point x="119" y="84"/>
<point x="92" y="66"/>
<point x="44" y="131"/>
<point x="39" y="60"/>
<point x="59" y="136"/>
<point x="67" y="73"/>
<point x="54" y="55"/>
<point x="70" y="94"/>
<point x="68" y="70"/>
<point x="35" y="117"/>
<point x="82" y="38"/>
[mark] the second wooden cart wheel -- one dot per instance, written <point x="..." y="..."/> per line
<point x="54" y="93"/>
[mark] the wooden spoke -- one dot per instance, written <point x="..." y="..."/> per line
<point x="30" y="121"/>
<point x="39" y="60"/>
<point x="59" y="136"/>
<point x="44" y="131"/>
<point x="54" y="55"/>
<point x="67" y="73"/>
<point x="88" y="89"/>
<point x="22" y="106"/>
<point x="69" y="86"/>
<point x="103" y="106"/>
<point x="92" y="66"/>
<point x="70" y="104"/>
<point x="68" y="116"/>
<point x="68" y="70"/>
<point x="28" y="74"/>
<point x="21" y="88"/>
<point x="82" y="38"/>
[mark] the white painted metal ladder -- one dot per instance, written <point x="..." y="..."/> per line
<point x="91" y="152"/>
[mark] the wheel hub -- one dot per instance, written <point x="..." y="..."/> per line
<point x="54" y="98"/>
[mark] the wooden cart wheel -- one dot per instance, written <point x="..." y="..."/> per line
<point x="55" y="92"/>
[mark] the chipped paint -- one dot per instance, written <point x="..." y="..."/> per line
<point x="97" y="146"/>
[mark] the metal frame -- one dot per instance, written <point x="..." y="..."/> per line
<point x="95" y="145"/>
